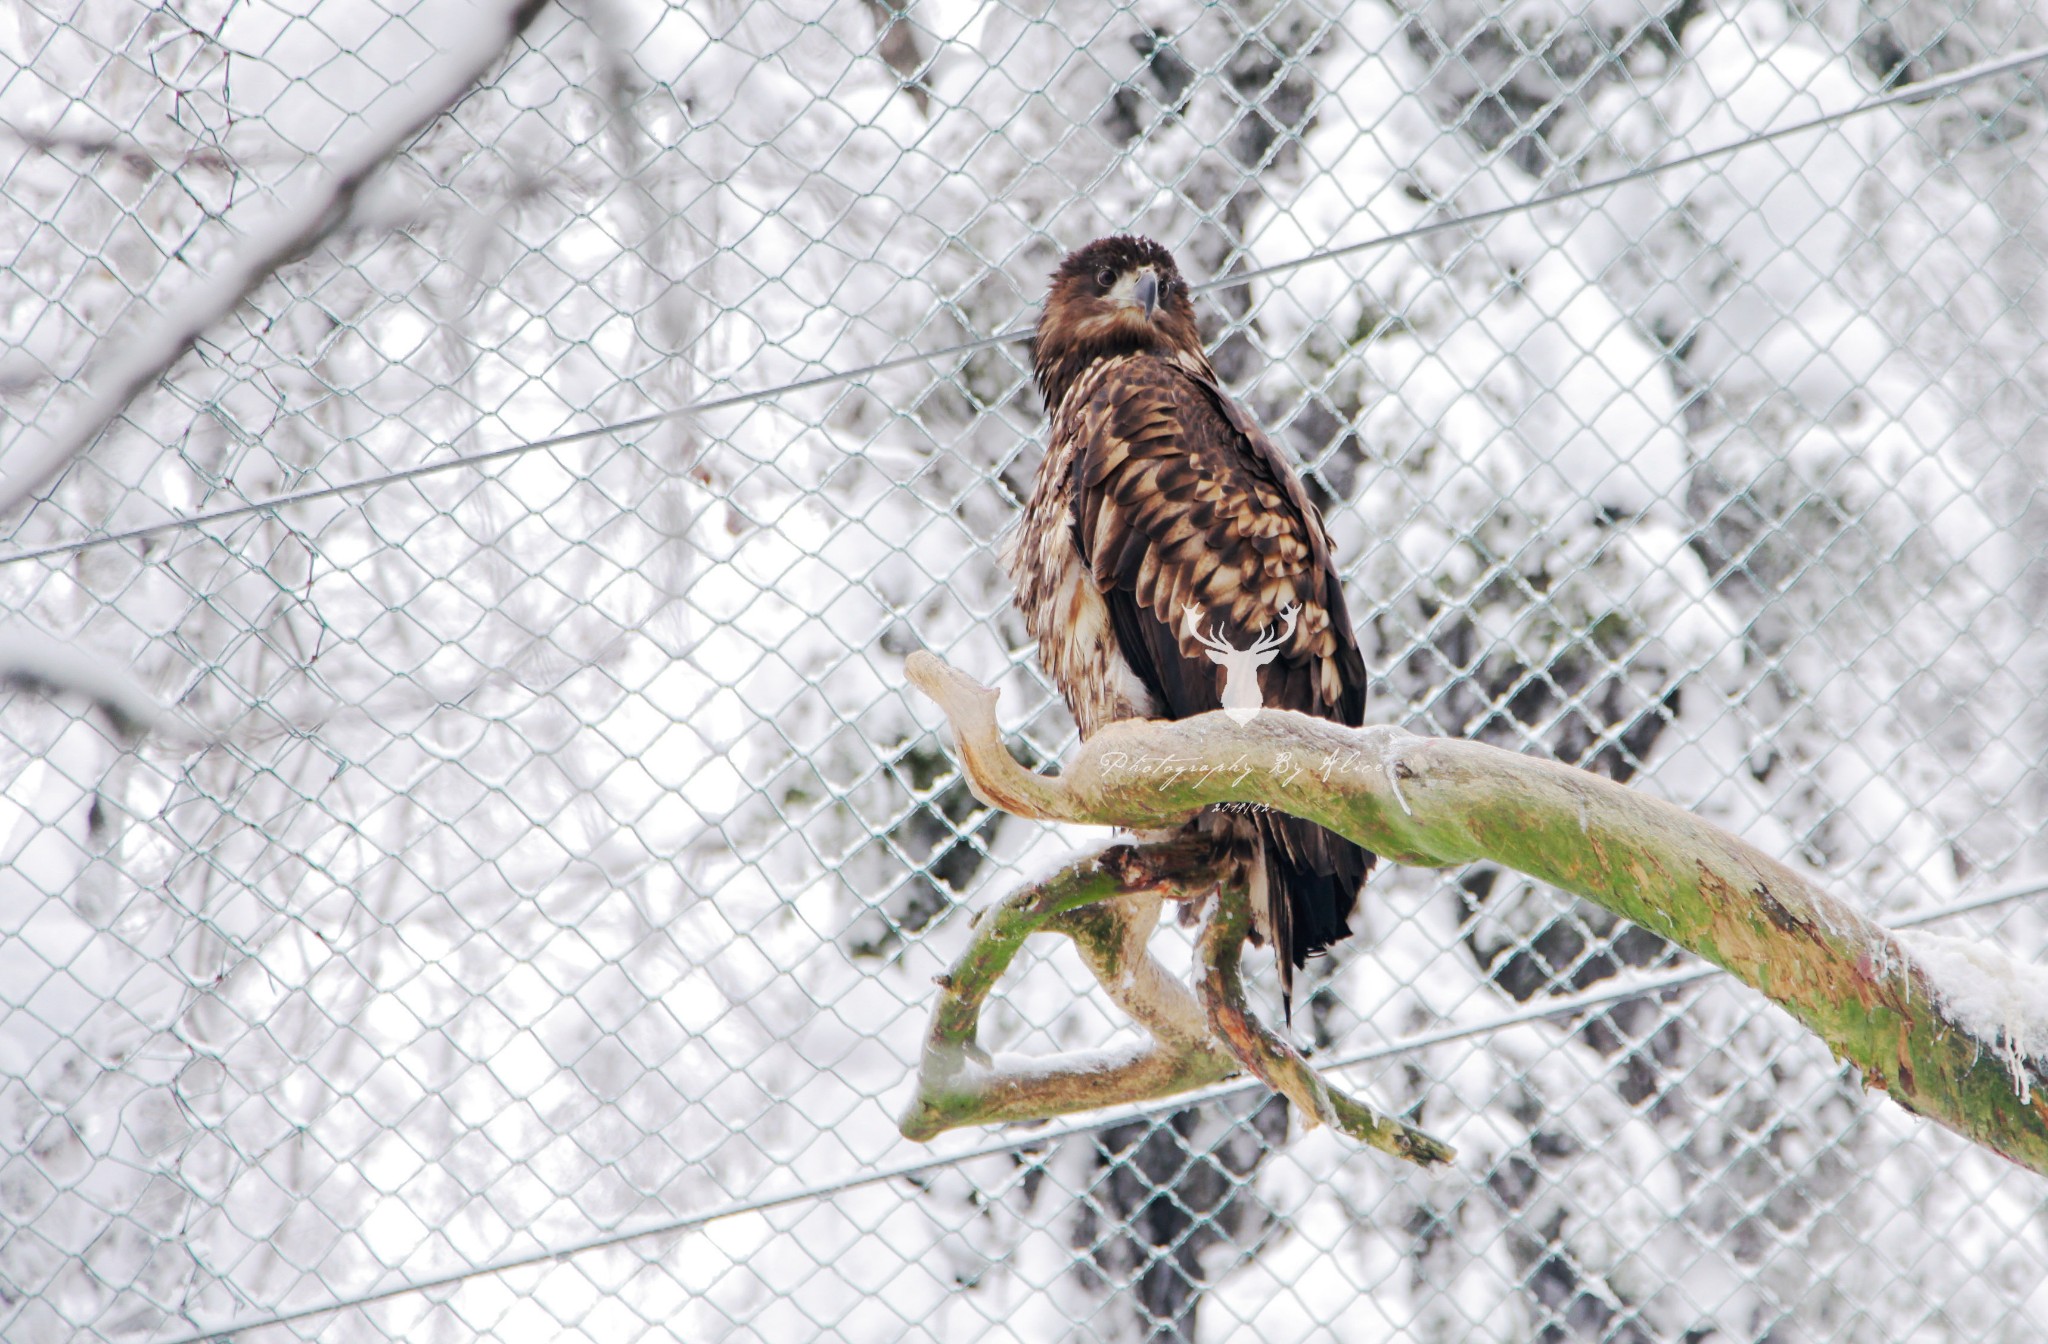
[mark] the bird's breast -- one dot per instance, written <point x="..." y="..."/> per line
<point x="1063" y="609"/>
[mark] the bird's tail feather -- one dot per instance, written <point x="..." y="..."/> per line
<point x="1311" y="879"/>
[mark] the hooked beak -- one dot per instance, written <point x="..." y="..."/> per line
<point x="1147" y="292"/>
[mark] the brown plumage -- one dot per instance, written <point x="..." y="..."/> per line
<point x="1158" y="494"/>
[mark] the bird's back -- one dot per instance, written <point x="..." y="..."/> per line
<point x="1158" y="499"/>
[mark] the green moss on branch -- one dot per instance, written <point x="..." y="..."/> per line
<point x="1439" y="803"/>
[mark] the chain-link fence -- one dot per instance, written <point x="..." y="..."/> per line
<point x="537" y="851"/>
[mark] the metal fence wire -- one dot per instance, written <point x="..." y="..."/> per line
<point x="516" y="921"/>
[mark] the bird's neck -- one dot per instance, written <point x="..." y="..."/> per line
<point x="1061" y="373"/>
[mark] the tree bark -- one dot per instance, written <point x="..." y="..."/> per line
<point x="1892" y="1006"/>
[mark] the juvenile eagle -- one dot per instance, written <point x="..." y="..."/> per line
<point x="1165" y="528"/>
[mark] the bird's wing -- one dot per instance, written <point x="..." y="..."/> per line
<point x="1181" y="500"/>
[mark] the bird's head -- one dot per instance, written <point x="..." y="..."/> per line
<point x="1116" y="296"/>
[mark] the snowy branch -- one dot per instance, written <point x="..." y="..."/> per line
<point x="1272" y="1060"/>
<point x="320" y="209"/>
<point x="960" y="1084"/>
<point x="1955" y="1032"/>
<point x="32" y="661"/>
<point x="1108" y="902"/>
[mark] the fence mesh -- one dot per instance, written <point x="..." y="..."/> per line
<point x="546" y="848"/>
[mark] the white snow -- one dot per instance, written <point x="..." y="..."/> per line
<point x="318" y="208"/>
<point x="1990" y="994"/>
<point x="554" y="864"/>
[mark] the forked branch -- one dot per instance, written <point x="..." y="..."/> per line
<point x="1953" y="1031"/>
<point x="1108" y="903"/>
<point x="1274" y="1062"/>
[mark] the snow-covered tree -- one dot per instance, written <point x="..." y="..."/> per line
<point x="550" y="846"/>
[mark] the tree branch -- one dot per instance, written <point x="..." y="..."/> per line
<point x="1272" y="1060"/>
<point x="896" y="42"/>
<point x="1900" y="1008"/>
<point x="319" y="209"/>
<point x="32" y="661"/>
<point x="1108" y="903"/>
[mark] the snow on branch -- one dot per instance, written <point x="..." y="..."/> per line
<point x="1108" y="902"/>
<point x="320" y="208"/>
<point x="961" y="1084"/>
<point x="1954" y="1031"/>
<point x="32" y="661"/>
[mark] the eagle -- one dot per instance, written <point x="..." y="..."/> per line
<point x="1169" y="555"/>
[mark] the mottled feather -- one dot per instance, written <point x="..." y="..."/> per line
<point x="1158" y="492"/>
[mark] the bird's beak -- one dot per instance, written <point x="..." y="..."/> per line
<point x="1147" y="292"/>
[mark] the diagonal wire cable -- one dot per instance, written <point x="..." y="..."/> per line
<point x="1563" y="1006"/>
<point x="1911" y="93"/>
<point x="1917" y="92"/>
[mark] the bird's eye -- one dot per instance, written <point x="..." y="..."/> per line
<point x="1106" y="278"/>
